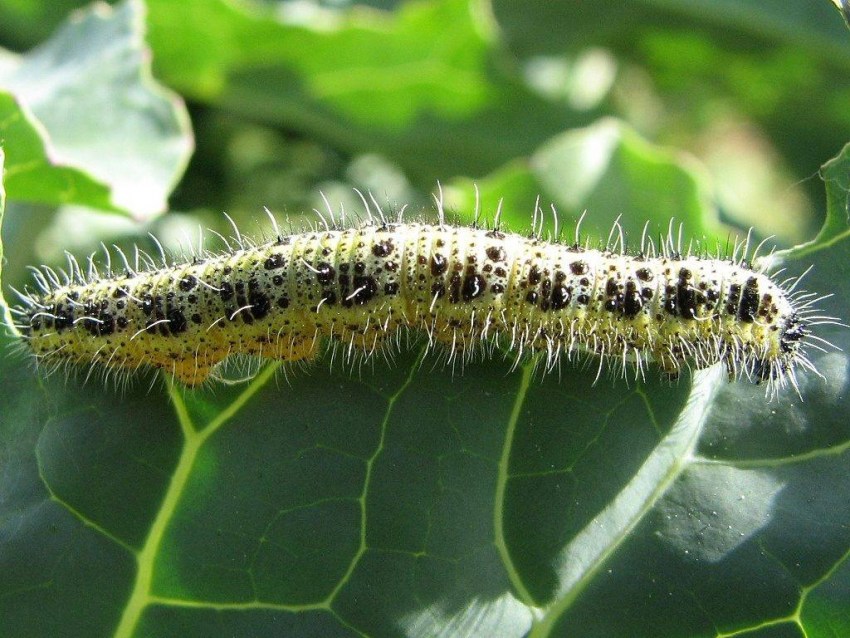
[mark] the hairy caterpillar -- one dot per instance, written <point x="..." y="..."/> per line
<point x="460" y="285"/>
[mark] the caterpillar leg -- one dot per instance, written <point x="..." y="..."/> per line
<point x="458" y="345"/>
<point x="190" y="374"/>
<point x="296" y="349"/>
<point x="670" y="366"/>
<point x="363" y="347"/>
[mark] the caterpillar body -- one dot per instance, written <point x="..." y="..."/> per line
<point x="462" y="286"/>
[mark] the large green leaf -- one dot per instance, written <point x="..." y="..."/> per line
<point x="83" y="122"/>
<point x="419" y="85"/>
<point x="406" y="499"/>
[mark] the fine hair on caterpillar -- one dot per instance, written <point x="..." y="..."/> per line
<point x="467" y="289"/>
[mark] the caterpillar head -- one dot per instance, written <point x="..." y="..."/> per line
<point x="792" y="332"/>
<point x="791" y="335"/>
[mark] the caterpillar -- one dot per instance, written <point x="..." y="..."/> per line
<point x="462" y="286"/>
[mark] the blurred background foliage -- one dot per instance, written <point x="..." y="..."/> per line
<point x="393" y="96"/>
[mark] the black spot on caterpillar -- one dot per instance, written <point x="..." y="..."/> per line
<point x="461" y="286"/>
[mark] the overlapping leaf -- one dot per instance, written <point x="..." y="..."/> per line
<point x="88" y="123"/>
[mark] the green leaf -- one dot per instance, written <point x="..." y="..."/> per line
<point x="418" y="85"/>
<point x="87" y="124"/>
<point x="835" y="229"/>
<point x="599" y="172"/>
<point x="31" y="174"/>
<point x="405" y="499"/>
